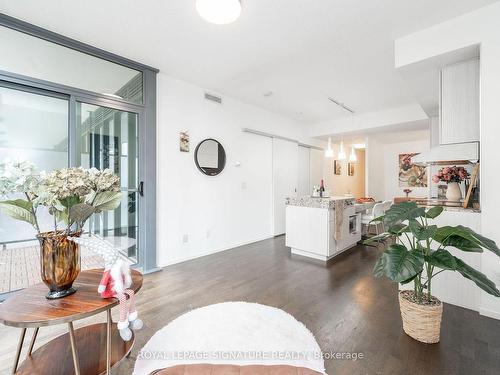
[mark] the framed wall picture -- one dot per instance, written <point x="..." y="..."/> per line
<point x="410" y="174"/>
<point x="337" y="167"/>
<point x="184" y="141"/>
<point x="350" y="169"/>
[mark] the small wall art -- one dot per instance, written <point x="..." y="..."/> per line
<point x="337" y="167"/>
<point x="350" y="169"/>
<point x="184" y="141"/>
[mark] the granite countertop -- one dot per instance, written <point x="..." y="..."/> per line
<point x="452" y="208"/>
<point x="447" y="205"/>
<point x="316" y="202"/>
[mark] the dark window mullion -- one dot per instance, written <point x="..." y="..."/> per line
<point x="73" y="149"/>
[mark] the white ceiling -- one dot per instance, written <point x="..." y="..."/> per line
<point x="302" y="51"/>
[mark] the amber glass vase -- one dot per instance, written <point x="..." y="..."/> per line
<point x="59" y="263"/>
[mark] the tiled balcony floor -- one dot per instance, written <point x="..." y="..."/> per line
<point x="20" y="265"/>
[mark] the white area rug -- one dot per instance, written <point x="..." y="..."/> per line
<point x="238" y="333"/>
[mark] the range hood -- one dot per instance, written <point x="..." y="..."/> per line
<point x="459" y="153"/>
<point x="454" y="134"/>
<point x="454" y="153"/>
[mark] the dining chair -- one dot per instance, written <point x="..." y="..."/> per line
<point x="387" y="205"/>
<point x="377" y="210"/>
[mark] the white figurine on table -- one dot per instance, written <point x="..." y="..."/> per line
<point x="115" y="283"/>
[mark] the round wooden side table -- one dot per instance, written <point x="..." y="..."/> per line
<point x="92" y="349"/>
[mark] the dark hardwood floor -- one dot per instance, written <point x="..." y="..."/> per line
<point x="345" y="307"/>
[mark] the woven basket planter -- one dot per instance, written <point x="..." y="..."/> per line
<point x="421" y="322"/>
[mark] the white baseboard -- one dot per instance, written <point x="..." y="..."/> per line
<point x="210" y="252"/>
<point x="309" y="254"/>
<point x="316" y="256"/>
<point x="490" y="313"/>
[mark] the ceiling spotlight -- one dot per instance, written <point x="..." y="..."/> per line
<point x="220" y="12"/>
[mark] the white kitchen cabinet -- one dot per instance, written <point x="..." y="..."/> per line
<point x="459" y="107"/>
<point x="311" y="227"/>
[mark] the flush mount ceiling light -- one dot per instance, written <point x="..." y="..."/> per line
<point x="220" y="12"/>
<point x="329" y="150"/>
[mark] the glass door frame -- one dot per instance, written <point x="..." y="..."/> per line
<point x="146" y="246"/>
<point x="146" y="124"/>
<point x="141" y="157"/>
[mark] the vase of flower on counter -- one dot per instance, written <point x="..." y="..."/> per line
<point x="71" y="196"/>
<point x="453" y="176"/>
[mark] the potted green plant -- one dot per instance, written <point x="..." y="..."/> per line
<point x="418" y="254"/>
<point x="71" y="196"/>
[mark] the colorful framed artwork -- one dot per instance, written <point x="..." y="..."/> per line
<point x="410" y="174"/>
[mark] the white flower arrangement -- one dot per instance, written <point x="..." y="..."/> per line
<point x="71" y="195"/>
<point x="17" y="177"/>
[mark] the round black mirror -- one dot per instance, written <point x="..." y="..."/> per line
<point x="210" y="157"/>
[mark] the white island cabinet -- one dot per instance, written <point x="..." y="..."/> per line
<point x="321" y="228"/>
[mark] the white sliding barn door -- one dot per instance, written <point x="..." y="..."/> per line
<point x="285" y="176"/>
<point x="304" y="184"/>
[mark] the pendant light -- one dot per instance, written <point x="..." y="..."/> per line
<point x="352" y="157"/>
<point x="219" y="12"/>
<point x="329" y="150"/>
<point x="342" y="155"/>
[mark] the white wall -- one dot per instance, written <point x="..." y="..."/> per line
<point x="481" y="27"/>
<point x="344" y="184"/>
<point x="304" y="167"/>
<point x="222" y="212"/>
<point x="383" y="163"/>
<point x="316" y="173"/>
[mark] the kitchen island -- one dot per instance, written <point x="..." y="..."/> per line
<point x="321" y="228"/>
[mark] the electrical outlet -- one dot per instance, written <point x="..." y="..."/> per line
<point x="185" y="238"/>
<point x="243" y="185"/>
<point x="208" y="233"/>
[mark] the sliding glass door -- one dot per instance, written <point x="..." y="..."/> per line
<point x="107" y="138"/>
<point x="65" y="103"/>
<point x="36" y="126"/>
<point x="57" y="130"/>
<point x="33" y="127"/>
